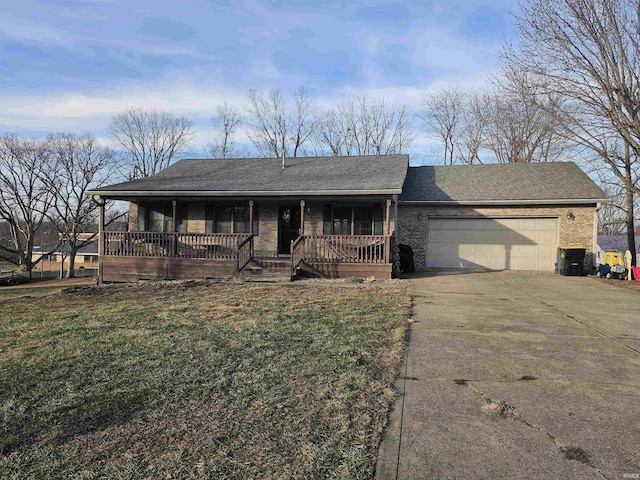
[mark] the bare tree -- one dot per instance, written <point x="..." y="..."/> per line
<point x="611" y="217"/>
<point x="619" y="170"/>
<point x="588" y="53"/>
<point x="333" y="135"/>
<point x="366" y="127"/>
<point x="279" y="127"/>
<point x="471" y="137"/>
<point x="523" y="122"/>
<point x="225" y="123"/>
<point x="24" y="200"/>
<point x="520" y="131"/>
<point x="152" y="138"/>
<point x="443" y="116"/>
<point x="79" y="164"/>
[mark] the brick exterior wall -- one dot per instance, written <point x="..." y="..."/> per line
<point x="265" y="244"/>
<point x="133" y="217"/>
<point x="196" y="219"/>
<point x="412" y="224"/>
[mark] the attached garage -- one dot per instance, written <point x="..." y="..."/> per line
<point x="497" y="217"/>
<point x="492" y="243"/>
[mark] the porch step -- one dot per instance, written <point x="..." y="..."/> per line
<point x="267" y="270"/>
<point x="262" y="265"/>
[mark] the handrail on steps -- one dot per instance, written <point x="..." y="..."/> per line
<point x="245" y="252"/>
<point x="297" y="253"/>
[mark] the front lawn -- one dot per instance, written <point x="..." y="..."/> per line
<point x="41" y="287"/>
<point x="199" y="380"/>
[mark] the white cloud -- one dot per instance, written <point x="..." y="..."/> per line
<point x="29" y="32"/>
<point x="58" y="106"/>
<point x="60" y="111"/>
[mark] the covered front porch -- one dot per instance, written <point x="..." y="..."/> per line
<point x="183" y="238"/>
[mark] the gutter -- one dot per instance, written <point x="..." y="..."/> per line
<point x="507" y="202"/>
<point x="244" y="193"/>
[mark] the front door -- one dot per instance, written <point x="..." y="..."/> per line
<point x="288" y="227"/>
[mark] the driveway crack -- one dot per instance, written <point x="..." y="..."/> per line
<point x="505" y="410"/>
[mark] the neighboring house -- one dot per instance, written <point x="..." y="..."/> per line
<point x="54" y="253"/>
<point x="614" y="243"/>
<point x="341" y="216"/>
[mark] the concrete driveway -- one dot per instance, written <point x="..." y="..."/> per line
<point x="518" y="375"/>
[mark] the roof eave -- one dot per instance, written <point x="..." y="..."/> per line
<point x="241" y="193"/>
<point x="555" y="201"/>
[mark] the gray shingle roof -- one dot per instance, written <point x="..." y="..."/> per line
<point x="352" y="175"/>
<point x="500" y="183"/>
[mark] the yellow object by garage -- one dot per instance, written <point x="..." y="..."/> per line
<point x="612" y="259"/>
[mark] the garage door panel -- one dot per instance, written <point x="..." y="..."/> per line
<point x="548" y="224"/>
<point x="547" y="251"/>
<point x="527" y="251"/>
<point x="511" y="223"/>
<point x="546" y="238"/>
<point x="447" y="248"/>
<point x="497" y="244"/>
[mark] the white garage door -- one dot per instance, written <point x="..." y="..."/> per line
<point x="492" y="243"/>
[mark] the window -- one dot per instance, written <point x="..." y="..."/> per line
<point x="363" y="221"/>
<point x="230" y="219"/>
<point x="223" y="219"/>
<point x="159" y="218"/>
<point x="342" y="220"/>
<point x="353" y="220"/>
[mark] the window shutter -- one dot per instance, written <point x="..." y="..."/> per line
<point x="142" y="214"/>
<point x="327" y="220"/>
<point x="378" y="220"/>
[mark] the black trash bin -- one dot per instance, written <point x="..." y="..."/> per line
<point x="406" y="259"/>
<point x="571" y="260"/>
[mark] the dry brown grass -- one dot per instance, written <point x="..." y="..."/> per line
<point x="199" y="380"/>
<point x="630" y="285"/>
<point x="39" y="287"/>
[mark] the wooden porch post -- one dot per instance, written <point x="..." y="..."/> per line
<point x="174" y="239"/>
<point x="251" y="217"/>
<point x="174" y="204"/>
<point x="101" y="202"/>
<point x="395" y="214"/>
<point x="302" y="203"/>
<point x="387" y="221"/>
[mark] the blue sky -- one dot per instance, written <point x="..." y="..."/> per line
<point x="69" y="65"/>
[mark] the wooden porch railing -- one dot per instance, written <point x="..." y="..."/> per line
<point x="369" y="249"/>
<point x="220" y="246"/>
